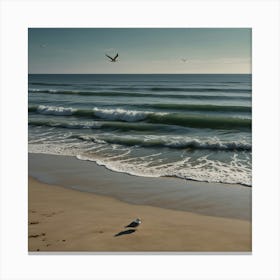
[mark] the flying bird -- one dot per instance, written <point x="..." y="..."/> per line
<point x="113" y="59"/>
<point x="134" y="223"/>
<point x="184" y="59"/>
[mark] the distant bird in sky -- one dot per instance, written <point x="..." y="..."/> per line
<point x="134" y="223"/>
<point x="184" y="60"/>
<point x="113" y="59"/>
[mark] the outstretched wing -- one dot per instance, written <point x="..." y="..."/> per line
<point x="116" y="56"/>
<point x="109" y="57"/>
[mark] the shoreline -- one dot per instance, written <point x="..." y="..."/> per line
<point x="211" y="199"/>
<point x="167" y="176"/>
<point x="65" y="220"/>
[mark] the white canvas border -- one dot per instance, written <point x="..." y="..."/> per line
<point x="261" y="16"/>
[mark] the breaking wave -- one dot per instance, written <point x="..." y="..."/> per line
<point x="175" y="142"/>
<point x="179" y="119"/>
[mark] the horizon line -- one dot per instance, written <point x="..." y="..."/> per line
<point x="139" y="73"/>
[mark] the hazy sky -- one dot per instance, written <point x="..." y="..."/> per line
<point x="141" y="50"/>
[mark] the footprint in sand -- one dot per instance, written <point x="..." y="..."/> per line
<point x="36" y="235"/>
<point x="98" y="231"/>
<point x="50" y="214"/>
<point x="34" y="223"/>
<point x="33" y="235"/>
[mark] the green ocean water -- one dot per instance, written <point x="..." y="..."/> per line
<point x="194" y="127"/>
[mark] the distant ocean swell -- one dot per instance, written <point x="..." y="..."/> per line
<point x="136" y="94"/>
<point x="161" y="89"/>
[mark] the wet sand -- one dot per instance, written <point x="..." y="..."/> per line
<point x="212" y="199"/>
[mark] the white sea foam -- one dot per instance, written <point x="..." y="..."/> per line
<point x="91" y="138"/>
<point x="205" y="170"/>
<point x="209" y="143"/>
<point x="53" y="110"/>
<point x="126" y="154"/>
<point x="120" y="159"/>
<point x="74" y="124"/>
<point x="34" y="89"/>
<point x="120" y="114"/>
<point x="171" y="142"/>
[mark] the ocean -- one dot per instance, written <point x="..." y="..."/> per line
<point x="190" y="126"/>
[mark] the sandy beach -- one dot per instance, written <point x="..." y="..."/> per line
<point x="62" y="219"/>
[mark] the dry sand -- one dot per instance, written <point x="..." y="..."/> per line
<point x="62" y="219"/>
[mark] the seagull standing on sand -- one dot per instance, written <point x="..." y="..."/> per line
<point x="113" y="59"/>
<point x="134" y="223"/>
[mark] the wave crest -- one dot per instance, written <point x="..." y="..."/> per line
<point x="179" y="119"/>
<point x="53" y="110"/>
<point x="120" y="114"/>
<point x="175" y="142"/>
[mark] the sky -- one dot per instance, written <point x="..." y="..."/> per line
<point x="141" y="50"/>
